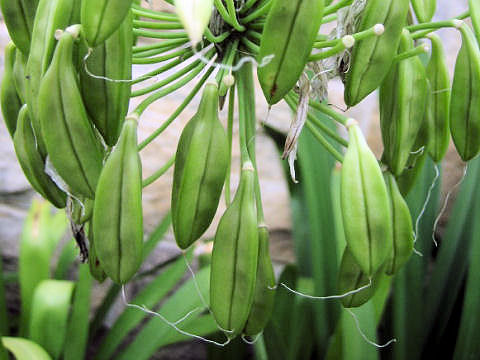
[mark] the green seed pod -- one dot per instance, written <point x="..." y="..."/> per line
<point x="96" y="269"/>
<point x="117" y="213"/>
<point x="351" y="278"/>
<point x="72" y="145"/>
<point x="234" y="258"/>
<point x="289" y="33"/>
<point x="19" y="76"/>
<point x="264" y="298"/>
<point x="402" y="228"/>
<point x="474" y="7"/>
<point x="365" y="205"/>
<point x="51" y="15"/>
<point x="9" y="100"/>
<point x="424" y="9"/>
<point x="107" y="100"/>
<point x="19" y="16"/>
<point x="438" y="101"/>
<point x="403" y="97"/>
<point x="200" y="169"/>
<point x="372" y="57"/>
<point x="415" y="162"/>
<point x="465" y="98"/>
<point x="101" y="18"/>
<point x="32" y="163"/>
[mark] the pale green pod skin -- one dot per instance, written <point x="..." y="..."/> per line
<point x="101" y="18"/>
<point x="465" y="98"/>
<point x="96" y="269"/>
<point x="289" y="33"/>
<point x="474" y="7"/>
<point x="200" y="169"/>
<point x="351" y="277"/>
<point x="51" y="15"/>
<point x="403" y="99"/>
<point x="32" y="163"/>
<point x="19" y="76"/>
<point x="372" y="57"/>
<point x="438" y="102"/>
<point x="234" y="260"/>
<point x="9" y="99"/>
<point x="264" y="298"/>
<point x="365" y="205"/>
<point x="73" y="148"/>
<point x="424" y="9"/>
<point x="402" y="228"/>
<point x="19" y="16"/>
<point x="415" y="163"/>
<point x="107" y="101"/>
<point x="117" y="213"/>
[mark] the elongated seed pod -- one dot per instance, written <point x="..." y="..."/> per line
<point x="96" y="269"/>
<point x="73" y="148"/>
<point x="264" y="298"/>
<point x="438" y="102"/>
<point x="465" y="98"/>
<point x="51" y="15"/>
<point x="117" y="214"/>
<point x="288" y="36"/>
<point x="19" y="76"/>
<point x="200" y="169"/>
<point x="9" y="99"/>
<point x="402" y="228"/>
<point x="31" y="161"/>
<point x="101" y="18"/>
<point x="403" y="97"/>
<point x="365" y="205"/>
<point x="424" y="9"/>
<point x="373" y="56"/>
<point x="19" y="16"/>
<point x="234" y="258"/>
<point x="105" y="98"/>
<point x="415" y="162"/>
<point x="351" y="278"/>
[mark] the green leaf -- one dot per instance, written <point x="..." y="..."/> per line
<point x="4" y="324"/>
<point x="452" y="261"/>
<point x="66" y="259"/>
<point x="76" y="345"/>
<point x="178" y="305"/>
<point x="24" y="349"/>
<point x="157" y="234"/>
<point x="468" y="339"/>
<point x="315" y="170"/>
<point x="409" y="303"/>
<point x="36" y="249"/>
<point x="50" y="309"/>
<point x="149" y="296"/>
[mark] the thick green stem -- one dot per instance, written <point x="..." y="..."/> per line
<point x="261" y="11"/>
<point x="160" y="70"/>
<point x="157" y="174"/>
<point x="164" y="92"/>
<point x="247" y="124"/>
<point x="178" y="111"/>
<point x="155" y="60"/>
<point x="231" y="110"/>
